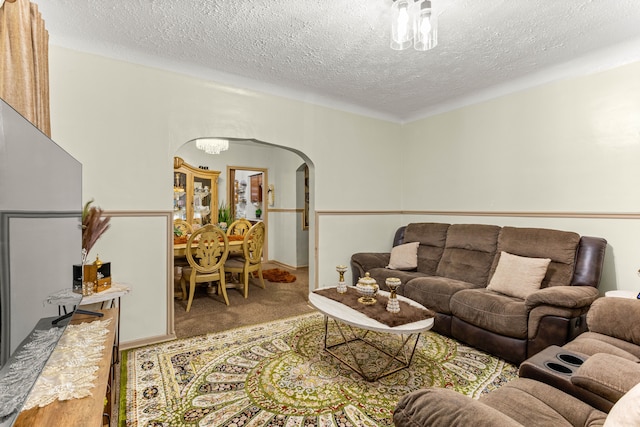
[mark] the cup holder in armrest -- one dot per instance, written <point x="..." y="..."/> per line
<point x="556" y="367"/>
<point x="570" y="359"/>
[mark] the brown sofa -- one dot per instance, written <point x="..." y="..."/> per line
<point x="456" y="264"/>
<point x="602" y="388"/>
<point x="600" y="365"/>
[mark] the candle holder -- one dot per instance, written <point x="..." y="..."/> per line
<point x="393" y="305"/>
<point x="342" y="286"/>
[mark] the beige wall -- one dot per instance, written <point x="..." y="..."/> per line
<point x="567" y="146"/>
<point x="125" y="122"/>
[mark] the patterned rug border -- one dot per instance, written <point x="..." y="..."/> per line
<point x="502" y="372"/>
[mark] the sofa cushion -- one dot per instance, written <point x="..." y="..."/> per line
<point x="531" y="402"/>
<point x="432" y="238"/>
<point x="382" y="274"/>
<point x="434" y="292"/>
<point x="493" y="311"/>
<point x="444" y="407"/>
<point x="469" y="252"/>
<point x="626" y="411"/>
<point x="590" y="343"/>
<point x="518" y="276"/>
<point x="404" y="257"/>
<point x="559" y="246"/>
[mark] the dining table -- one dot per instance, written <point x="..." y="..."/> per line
<point x="180" y="249"/>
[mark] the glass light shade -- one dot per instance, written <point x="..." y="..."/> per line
<point x="402" y="22"/>
<point x="426" y="27"/>
<point x="212" y="145"/>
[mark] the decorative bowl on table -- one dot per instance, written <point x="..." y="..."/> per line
<point x="368" y="288"/>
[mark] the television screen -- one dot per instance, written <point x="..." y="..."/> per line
<point x="40" y="241"/>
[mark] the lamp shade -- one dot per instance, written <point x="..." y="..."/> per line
<point x="426" y="26"/>
<point x="402" y="24"/>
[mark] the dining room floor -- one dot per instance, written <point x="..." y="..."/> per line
<point x="210" y="314"/>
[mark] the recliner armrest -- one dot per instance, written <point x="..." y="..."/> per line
<point x="443" y="407"/>
<point x="563" y="296"/>
<point x="607" y="375"/>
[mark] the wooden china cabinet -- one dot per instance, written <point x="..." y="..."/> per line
<point x="195" y="193"/>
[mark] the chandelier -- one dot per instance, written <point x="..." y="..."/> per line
<point x="212" y="145"/>
<point x="413" y="21"/>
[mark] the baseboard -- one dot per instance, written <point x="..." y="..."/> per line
<point x="283" y="265"/>
<point x="147" y="341"/>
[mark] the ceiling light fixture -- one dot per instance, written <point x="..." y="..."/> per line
<point x="212" y="145"/>
<point x="413" y="21"/>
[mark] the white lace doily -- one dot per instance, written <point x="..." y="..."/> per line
<point x="70" y="372"/>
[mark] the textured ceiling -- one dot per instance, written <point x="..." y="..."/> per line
<point x="336" y="52"/>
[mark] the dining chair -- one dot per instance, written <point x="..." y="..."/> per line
<point x="207" y="251"/>
<point x="239" y="227"/>
<point x="183" y="226"/>
<point x="251" y="259"/>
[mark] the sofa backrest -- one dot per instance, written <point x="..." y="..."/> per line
<point x="459" y="251"/>
<point x="560" y="246"/>
<point x="432" y="237"/>
<point x="469" y="252"/>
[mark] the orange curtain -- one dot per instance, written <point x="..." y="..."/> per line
<point x="24" y="62"/>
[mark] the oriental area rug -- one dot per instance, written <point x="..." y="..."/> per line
<point x="277" y="374"/>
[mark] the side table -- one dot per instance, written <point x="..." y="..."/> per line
<point x="622" y="294"/>
<point x="109" y="298"/>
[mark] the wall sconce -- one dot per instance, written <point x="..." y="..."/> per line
<point x="271" y="195"/>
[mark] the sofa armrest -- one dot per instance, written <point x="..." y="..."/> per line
<point x="616" y="317"/>
<point x="607" y="375"/>
<point x="443" y="407"/>
<point x="365" y="261"/>
<point x="563" y="296"/>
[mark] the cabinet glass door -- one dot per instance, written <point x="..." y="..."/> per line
<point x="201" y="200"/>
<point x="180" y="196"/>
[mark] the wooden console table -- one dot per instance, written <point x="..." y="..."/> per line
<point x="88" y="411"/>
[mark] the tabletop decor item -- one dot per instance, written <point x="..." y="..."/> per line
<point x="392" y="305"/>
<point x="85" y="276"/>
<point x="342" y="286"/>
<point x="368" y="288"/>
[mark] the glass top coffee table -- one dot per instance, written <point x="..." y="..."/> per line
<point x="396" y="347"/>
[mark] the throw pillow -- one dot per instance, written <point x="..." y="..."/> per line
<point x="404" y="257"/>
<point x="518" y="276"/>
<point x="626" y="411"/>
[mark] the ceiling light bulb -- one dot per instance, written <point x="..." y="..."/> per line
<point x="426" y="36"/>
<point x="401" y="24"/>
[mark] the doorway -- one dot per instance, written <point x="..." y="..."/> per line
<point x="246" y="195"/>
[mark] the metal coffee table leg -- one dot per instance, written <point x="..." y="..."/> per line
<point x="406" y="344"/>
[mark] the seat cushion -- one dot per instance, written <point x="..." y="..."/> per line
<point x="434" y="292"/>
<point x="590" y="343"/>
<point x="495" y="312"/>
<point x="381" y="274"/>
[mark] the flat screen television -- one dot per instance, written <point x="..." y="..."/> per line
<point x="40" y="241"/>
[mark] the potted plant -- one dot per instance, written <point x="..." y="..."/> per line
<point x="224" y="215"/>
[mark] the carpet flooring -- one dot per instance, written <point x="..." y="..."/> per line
<point x="210" y="314"/>
<point x="277" y="374"/>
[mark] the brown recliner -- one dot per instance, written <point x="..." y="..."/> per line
<point x="522" y="402"/>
